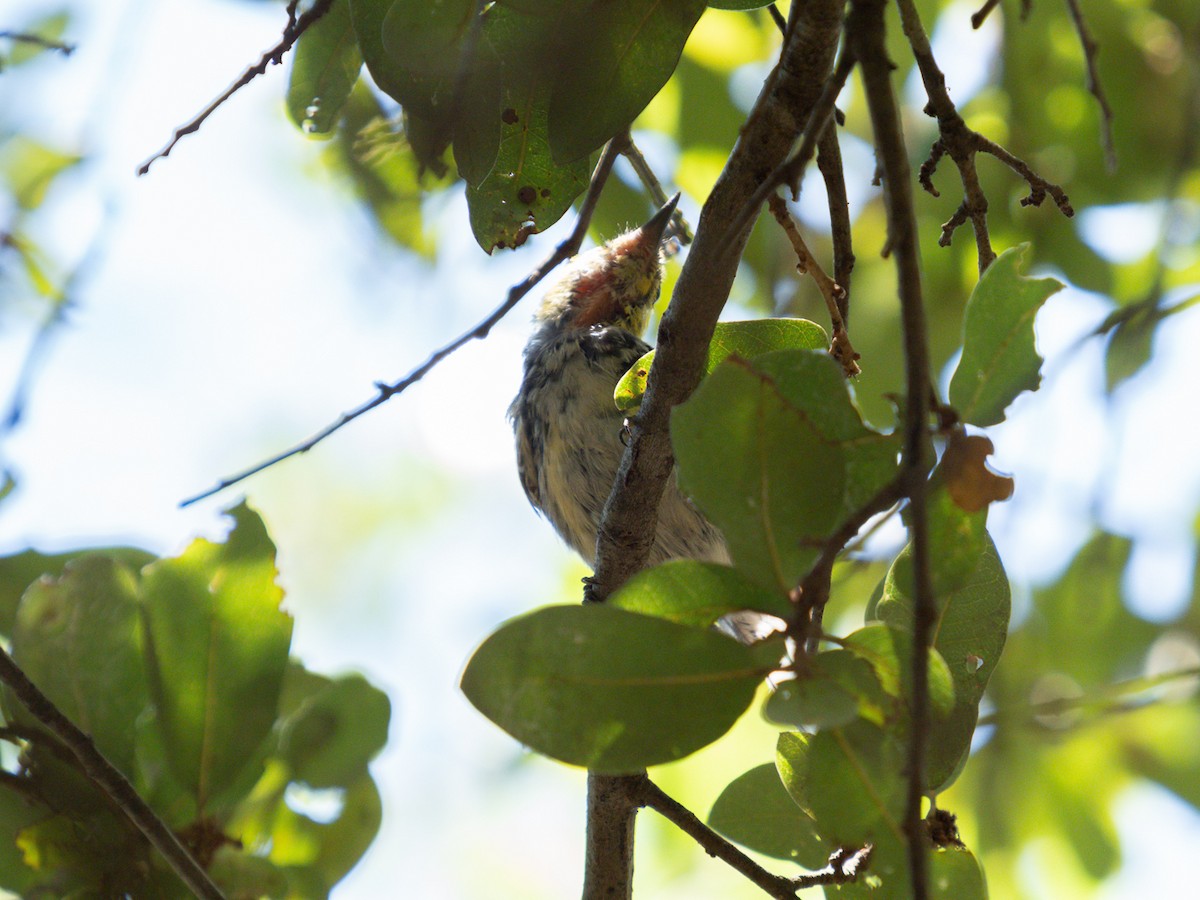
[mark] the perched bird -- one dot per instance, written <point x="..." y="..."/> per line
<point x="568" y="430"/>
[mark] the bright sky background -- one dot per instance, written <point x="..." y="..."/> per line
<point x="239" y="303"/>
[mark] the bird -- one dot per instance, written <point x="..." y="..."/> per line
<point x="587" y="334"/>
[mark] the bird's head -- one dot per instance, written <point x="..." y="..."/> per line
<point x="614" y="284"/>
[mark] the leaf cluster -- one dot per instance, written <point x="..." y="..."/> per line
<point x="178" y="670"/>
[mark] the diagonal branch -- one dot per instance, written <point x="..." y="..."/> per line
<point x="108" y="779"/>
<point x="295" y="27"/>
<point x="385" y="392"/>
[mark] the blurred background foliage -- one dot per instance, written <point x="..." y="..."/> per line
<point x="1093" y="694"/>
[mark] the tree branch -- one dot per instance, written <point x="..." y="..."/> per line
<point x="38" y="41"/>
<point x="385" y="392"/>
<point x="291" y="33"/>
<point x="829" y="163"/>
<point x="109" y="780"/>
<point x="843" y="866"/>
<point x="787" y="102"/>
<point x="865" y="33"/>
<point x="1090" y="51"/>
<point x="962" y="144"/>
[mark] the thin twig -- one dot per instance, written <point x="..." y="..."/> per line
<point x="291" y="33"/>
<point x="978" y="17"/>
<point x="777" y="18"/>
<point x="840" y="349"/>
<point x="1090" y="51"/>
<point x="791" y="170"/>
<point x="39" y="41"/>
<point x="829" y="163"/>
<point x="109" y="780"/>
<point x="962" y="144"/>
<point x="680" y="229"/>
<point x="385" y="392"/>
<point x="843" y="866"/>
<point x="1111" y="698"/>
<point x="865" y="31"/>
<point x="813" y="592"/>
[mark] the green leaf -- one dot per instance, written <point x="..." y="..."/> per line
<point x="217" y="647"/>
<point x="31" y="168"/>
<point x="889" y="651"/>
<point x="855" y="784"/>
<point x="414" y="48"/>
<point x="955" y="874"/>
<point x="335" y="732"/>
<point x="325" y="67"/>
<point x="525" y="191"/>
<point x="745" y="339"/>
<point x="616" y="56"/>
<point x="836" y="688"/>
<point x="695" y="593"/>
<point x="776" y="455"/>
<point x="612" y="690"/>
<point x="19" y="571"/>
<point x="999" y="358"/>
<point x="757" y="812"/>
<point x="970" y="631"/>
<point x="78" y="638"/>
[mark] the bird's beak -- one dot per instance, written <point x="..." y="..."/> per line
<point x="653" y="230"/>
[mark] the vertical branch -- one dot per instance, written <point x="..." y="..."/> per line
<point x="630" y="515"/>
<point x="829" y="163"/>
<point x="865" y="32"/>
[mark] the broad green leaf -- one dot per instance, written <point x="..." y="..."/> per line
<point x="775" y="454"/>
<point x="616" y="56"/>
<point x="78" y="638"/>
<point x="612" y="690"/>
<point x="414" y="49"/>
<point x="325" y="67"/>
<point x="525" y="191"/>
<point x="889" y="651"/>
<point x="19" y="571"/>
<point x="217" y="647"/>
<point x="999" y="358"/>
<point x="330" y="739"/>
<point x="855" y="784"/>
<point x="325" y="851"/>
<point x="955" y="874"/>
<point x="695" y="593"/>
<point x="756" y="811"/>
<point x="745" y="339"/>
<point x="970" y="631"/>
<point x="837" y="687"/>
<point x="242" y="874"/>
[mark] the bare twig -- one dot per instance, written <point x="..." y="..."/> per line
<point x="981" y="14"/>
<point x="385" y="392"/>
<point x="813" y="592"/>
<point x="777" y="18"/>
<point x="829" y="162"/>
<point x="1090" y="51"/>
<point x="791" y="170"/>
<point x="1120" y="697"/>
<point x="840" y="349"/>
<point x="844" y="866"/>
<point x="865" y="32"/>
<point x="39" y="41"/>
<point x="109" y="780"/>
<point x="680" y="229"/>
<point x="291" y="33"/>
<point x="962" y="144"/>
